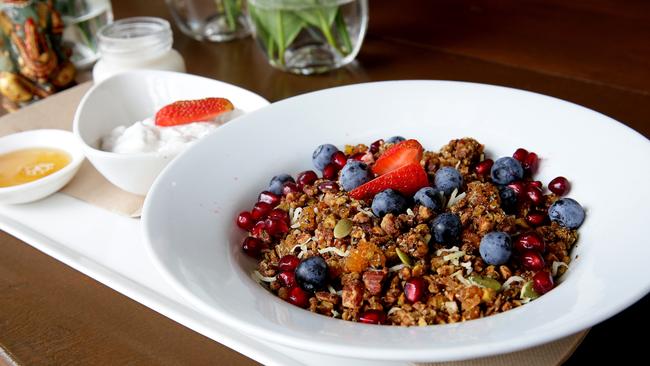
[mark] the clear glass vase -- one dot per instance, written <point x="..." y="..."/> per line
<point x="309" y="36"/>
<point x="82" y="19"/>
<point x="211" y="20"/>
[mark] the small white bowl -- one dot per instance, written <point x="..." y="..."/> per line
<point x="133" y="96"/>
<point x="47" y="185"/>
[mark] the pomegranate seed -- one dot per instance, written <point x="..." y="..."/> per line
<point x="530" y="241"/>
<point x="542" y="282"/>
<point x="373" y="317"/>
<point x="339" y="159"/>
<point x="519" y="188"/>
<point x="531" y="163"/>
<point x="276" y="227"/>
<point x="535" y="195"/>
<point x="559" y="186"/>
<point x="260" y="210"/>
<point x="259" y="229"/>
<point x="306" y="178"/>
<point x="330" y="171"/>
<point x="288" y="279"/>
<point x="535" y="183"/>
<point x="290" y="187"/>
<point x="245" y="220"/>
<point x="288" y="263"/>
<point x="298" y="297"/>
<point x="277" y="213"/>
<point x="535" y="218"/>
<point x="374" y="147"/>
<point x="357" y="156"/>
<point x="532" y="260"/>
<point x="483" y="168"/>
<point x="520" y="154"/>
<point x="414" y="289"/>
<point x="329" y="186"/>
<point x="253" y="246"/>
<point x="270" y="198"/>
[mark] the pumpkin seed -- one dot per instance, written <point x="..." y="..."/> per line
<point x="528" y="292"/>
<point x="342" y="228"/>
<point x="486" y="282"/>
<point x="403" y="257"/>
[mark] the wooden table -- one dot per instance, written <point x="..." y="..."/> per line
<point x="592" y="52"/>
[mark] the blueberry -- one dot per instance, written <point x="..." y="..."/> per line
<point x="311" y="274"/>
<point x="428" y="197"/>
<point x="276" y="183"/>
<point x="394" y="139"/>
<point x="354" y="174"/>
<point x="567" y="212"/>
<point x="445" y="229"/>
<point x="508" y="198"/>
<point x="495" y="248"/>
<point x="323" y="155"/>
<point x="388" y="201"/>
<point x="446" y="179"/>
<point x="506" y="170"/>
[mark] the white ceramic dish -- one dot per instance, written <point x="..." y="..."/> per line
<point x="47" y="185"/>
<point x="188" y="217"/>
<point x="133" y="96"/>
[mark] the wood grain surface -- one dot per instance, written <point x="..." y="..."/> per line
<point x="591" y="52"/>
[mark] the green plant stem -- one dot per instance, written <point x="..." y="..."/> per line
<point x="281" y="45"/>
<point x="343" y="33"/>
<point x="270" y="47"/>
<point x="325" y="28"/>
<point x="230" y="10"/>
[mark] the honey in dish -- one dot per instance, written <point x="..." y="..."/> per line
<point x="27" y="165"/>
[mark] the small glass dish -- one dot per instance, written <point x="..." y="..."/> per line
<point x="309" y="37"/>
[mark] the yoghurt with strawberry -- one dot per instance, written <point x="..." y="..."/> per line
<point x="173" y="129"/>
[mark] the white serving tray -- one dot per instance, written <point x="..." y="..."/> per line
<point x="108" y="247"/>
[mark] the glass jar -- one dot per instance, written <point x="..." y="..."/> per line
<point x="83" y="19"/>
<point x="309" y="36"/>
<point x="136" y="43"/>
<point x="211" y="20"/>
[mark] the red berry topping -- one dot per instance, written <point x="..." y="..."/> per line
<point x="245" y="220"/>
<point x="330" y="171"/>
<point x="306" y="178"/>
<point x="559" y="186"/>
<point x="276" y="227"/>
<point x="483" y="168"/>
<point x="253" y="246"/>
<point x="288" y="263"/>
<point x="519" y="188"/>
<point x="535" y="195"/>
<point x="298" y="297"/>
<point x="277" y="213"/>
<point x="260" y="210"/>
<point x="414" y="288"/>
<point x="373" y="317"/>
<point x="520" y="155"/>
<point x="186" y="111"/>
<point x="535" y="183"/>
<point x="531" y="163"/>
<point x="530" y="241"/>
<point x="401" y="154"/>
<point x="358" y="156"/>
<point x="259" y="229"/>
<point x="270" y="198"/>
<point x="535" y="218"/>
<point x="407" y="180"/>
<point x="290" y="187"/>
<point x="329" y="186"/>
<point x="374" y="147"/>
<point x="288" y="279"/>
<point x="532" y="260"/>
<point x="542" y="282"/>
<point x="339" y="159"/>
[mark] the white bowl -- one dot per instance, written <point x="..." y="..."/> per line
<point x="43" y="187"/>
<point x="133" y="96"/>
<point x="188" y="217"/>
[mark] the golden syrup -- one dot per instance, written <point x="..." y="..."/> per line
<point x="27" y="165"/>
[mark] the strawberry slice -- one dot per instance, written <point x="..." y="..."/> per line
<point x="399" y="155"/>
<point x="187" y="111"/>
<point x="407" y="180"/>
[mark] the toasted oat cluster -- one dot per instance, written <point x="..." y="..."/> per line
<point x="392" y="234"/>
